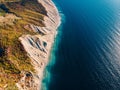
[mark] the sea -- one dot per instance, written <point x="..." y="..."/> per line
<point x="86" y="52"/>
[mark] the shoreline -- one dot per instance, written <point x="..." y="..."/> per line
<point x="52" y="59"/>
<point x="40" y="58"/>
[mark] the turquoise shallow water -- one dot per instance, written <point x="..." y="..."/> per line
<point x="86" y="53"/>
<point x="47" y="72"/>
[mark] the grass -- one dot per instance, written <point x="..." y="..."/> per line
<point x="2" y="13"/>
<point x="14" y="58"/>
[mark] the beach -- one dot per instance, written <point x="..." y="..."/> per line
<point x="39" y="50"/>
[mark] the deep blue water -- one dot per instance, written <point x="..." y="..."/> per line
<point x="88" y="53"/>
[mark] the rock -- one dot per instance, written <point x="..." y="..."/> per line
<point x="38" y="47"/>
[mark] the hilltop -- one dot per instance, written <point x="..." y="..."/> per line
<point x="16" y="18"/>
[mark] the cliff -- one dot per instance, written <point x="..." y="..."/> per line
<point x="38" y="46"/>
<point x="35" y="28"/>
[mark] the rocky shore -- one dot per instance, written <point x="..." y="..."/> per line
<point x="38" y="47"/>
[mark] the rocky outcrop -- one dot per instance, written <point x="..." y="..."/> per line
<point x="38" y="47"/>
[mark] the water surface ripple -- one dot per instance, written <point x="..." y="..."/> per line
<point x="88" y="55"/>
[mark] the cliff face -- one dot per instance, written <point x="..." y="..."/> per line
<point x="38" y="46"/>
<point x="27" y="31"/>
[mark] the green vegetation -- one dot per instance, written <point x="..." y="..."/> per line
<point x="13" y="58"/>
<point x="2" y="12"/>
